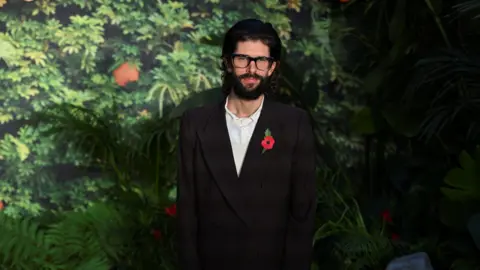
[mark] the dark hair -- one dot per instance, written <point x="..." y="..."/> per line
<point x="251" y="30"/>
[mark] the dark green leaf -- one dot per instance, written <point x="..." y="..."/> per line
<point x="402" y="121"/>
<point x="466" y="161"/>
<point x="216" y="41"/>
<point x="363" y="122"/>
<point x="463" y="183"/>
<point x="374" y="79"/>
<point x="437" y="6"/>
<point x="289" y="77"/>
<point x="311" y="93"/>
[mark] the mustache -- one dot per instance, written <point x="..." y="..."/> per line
<point x="250" y="76"/>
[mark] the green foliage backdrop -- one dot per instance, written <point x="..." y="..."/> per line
<point x="65" y="52"/>
<point x="88" y="88"/>
<point x="91" y="92"/>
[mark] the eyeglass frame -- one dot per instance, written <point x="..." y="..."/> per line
<point x="254" y="59"/>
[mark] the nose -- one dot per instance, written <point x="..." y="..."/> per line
<point x="252" y="67"/>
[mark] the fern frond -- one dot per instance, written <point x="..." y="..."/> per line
<point x="95" y="263"/>
<point x="79" y="240"/>
<point x="21" y="240"/>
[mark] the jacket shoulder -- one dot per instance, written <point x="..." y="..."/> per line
<point x="200" y="112"/>
<point x="198" y="116"/>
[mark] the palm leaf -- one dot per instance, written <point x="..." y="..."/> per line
<point x="448" y="82"/>
<point x="467" y="7"/>
<point x="137" y="152"/>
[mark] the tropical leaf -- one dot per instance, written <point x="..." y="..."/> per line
<point x="129" y="153"/>
<point x="467" y="7"/>
<point x="450" y="80"/>
<point x="463" y="182"/>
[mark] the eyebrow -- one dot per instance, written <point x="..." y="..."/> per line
<point x="262" y="56"/>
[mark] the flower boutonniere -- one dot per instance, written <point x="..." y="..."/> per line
<point x="268" y="141"/>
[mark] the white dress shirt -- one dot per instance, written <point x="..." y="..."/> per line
<point x="240" y="131"/>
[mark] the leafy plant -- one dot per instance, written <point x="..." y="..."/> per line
<point x="460" y="208"/>
<point x="463" y="184"/>
<point x="141" y="153"/>
<point x="105" y="235"/>
<point x="417" y="117"/>
<point x="349" y="238"/>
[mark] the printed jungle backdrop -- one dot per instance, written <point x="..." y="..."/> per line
<point x="91" y="92"/>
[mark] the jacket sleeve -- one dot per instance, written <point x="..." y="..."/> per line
<point x="186" y="206"/>
<point x="303" y="202"/>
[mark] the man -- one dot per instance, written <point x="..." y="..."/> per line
<point x="246" y="187"/>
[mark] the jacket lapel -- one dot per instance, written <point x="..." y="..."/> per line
<point x="217" y="151"/>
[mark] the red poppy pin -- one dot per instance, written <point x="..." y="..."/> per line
<point x="268" y="141"/>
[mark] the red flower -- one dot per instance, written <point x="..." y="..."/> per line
<point x="386" y="216"/>
<point x="268" y="142"/>
<point x="395" y="236"/>
<point x="171" y="210"/>
<point x="344" y="1"/>
<point x="157" y="234"/>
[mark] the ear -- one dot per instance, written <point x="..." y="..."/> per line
<point x="275" y="65"/>
<point x="228" y="65"/>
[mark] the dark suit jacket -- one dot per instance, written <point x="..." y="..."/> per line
<point x="261" y="220"/>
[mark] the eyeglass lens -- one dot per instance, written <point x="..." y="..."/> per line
<point x="242" y="61"/>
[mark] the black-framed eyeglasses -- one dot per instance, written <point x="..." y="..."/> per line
<point x="261" y="62"/>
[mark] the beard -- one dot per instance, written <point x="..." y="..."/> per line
<point x="245" y="93"/>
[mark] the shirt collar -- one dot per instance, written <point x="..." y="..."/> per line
<point x="254" y="116"/>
